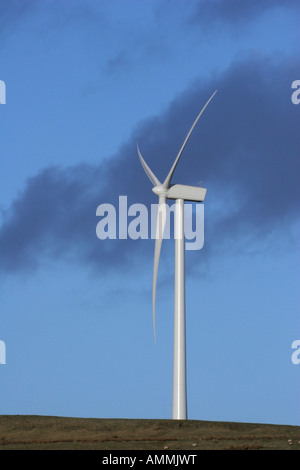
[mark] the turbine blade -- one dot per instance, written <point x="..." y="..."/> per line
<point x="148" y="172"/>
<point x="166" y="183"/>
<point x="160" y="227"/>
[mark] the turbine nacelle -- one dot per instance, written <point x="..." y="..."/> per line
<point x="181" y="191"/>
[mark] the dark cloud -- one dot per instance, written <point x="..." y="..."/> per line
<point x="245" y="149"/>
<point x="118" y="63"/>
<point x="13" y="11"/>
<point x="48" y="15"/>
<point x="234" y="12"/>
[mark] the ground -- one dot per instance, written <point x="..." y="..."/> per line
<point x="55" y="433"/>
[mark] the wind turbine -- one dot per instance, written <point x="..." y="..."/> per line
<point x="180" y="193"/>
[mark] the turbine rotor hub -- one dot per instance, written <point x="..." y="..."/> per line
<point x="160" y="191"/>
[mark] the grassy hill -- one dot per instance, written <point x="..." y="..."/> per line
<point x="55" y="433"/>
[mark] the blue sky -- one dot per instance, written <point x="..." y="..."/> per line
<point x="86" y="80"/>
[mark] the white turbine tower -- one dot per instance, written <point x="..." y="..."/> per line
<point x="181" y="193"/>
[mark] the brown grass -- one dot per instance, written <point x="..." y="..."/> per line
<point x="55" y="433"/>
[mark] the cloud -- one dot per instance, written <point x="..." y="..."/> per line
<point x="232" y="12"/>
<point x="12" y="12"/>
<point x="245" y="149"/>
<point x="118" y="63"/>
<point x="48" y="16"/>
